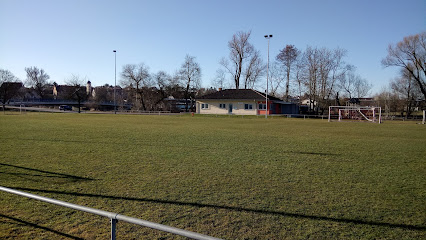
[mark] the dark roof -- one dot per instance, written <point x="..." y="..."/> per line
<point x="64" y="88"/>
<point x="9" y="85"/>
<point x="238" y="94"/>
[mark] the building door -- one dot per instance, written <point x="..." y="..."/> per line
<point x="230" y="108"/>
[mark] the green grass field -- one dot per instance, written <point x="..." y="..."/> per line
<point x="232" y="178"/>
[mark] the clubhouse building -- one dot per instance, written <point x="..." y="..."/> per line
<point x="243" y="102"/>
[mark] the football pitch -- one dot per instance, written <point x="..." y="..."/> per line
<point x="227" y="177"/>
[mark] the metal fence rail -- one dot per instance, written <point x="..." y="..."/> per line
<point x="114" y="217"/>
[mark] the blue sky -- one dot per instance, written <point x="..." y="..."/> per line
<point x="66" y="37"/>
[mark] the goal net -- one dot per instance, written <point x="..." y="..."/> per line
<point x="354" y="113"/>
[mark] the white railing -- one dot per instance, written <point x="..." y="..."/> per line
<point x="114" y="217"/>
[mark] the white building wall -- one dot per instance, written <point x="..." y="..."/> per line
<point x="238" y="107"/>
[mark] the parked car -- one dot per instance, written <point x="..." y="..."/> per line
<point x="65" y="108"/>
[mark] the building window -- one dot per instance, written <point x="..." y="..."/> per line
<point x="204" y="106"/>
<point x="248" y="106"/>
<point x="262" y="106"/>
<point x="222" y="105"/>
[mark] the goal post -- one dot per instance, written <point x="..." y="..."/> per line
<point x="354" y="113"/>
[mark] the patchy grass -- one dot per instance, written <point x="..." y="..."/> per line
<point x="233" y="178"/>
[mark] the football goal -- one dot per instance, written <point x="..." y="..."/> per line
<point x="354" y="113"/>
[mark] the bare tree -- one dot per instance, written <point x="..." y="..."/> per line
<point x="244" y="60"/>
<point x="163" y="82"/>
<point x="320" y="71"/>
<point x="353" y="85"/>
<point x="300" y="76"/>
<point x="254" y="71"/>
<point x="190" y="75"/>
<point x="137" y="77"/>
<point x="406" y="89"/>
<point x="362" y="88"/>
<point x="347" y="84"/>
<point x="219" y="80"/>
<point x="333" y="68"/>
<point x="7" y="76"/>
<point x="410" y="54"/>
<point x="77" y="89"/>
<point x="276" y="79"/>
<point x="383" y="100"/>
<point x="311" y="63"/>
<point x="287" y="57"/>
<point x="9" y="86"/>
<point x="37" y="79"/>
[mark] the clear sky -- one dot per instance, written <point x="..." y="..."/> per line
<point x="66" y="37"/>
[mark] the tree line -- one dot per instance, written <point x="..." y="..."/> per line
<point x="322" y="76"/>
<point x="406" y="92"/>
<point x="317" y="74"/>
<point x="184" y="84"/>
<point x="140" y="89"/>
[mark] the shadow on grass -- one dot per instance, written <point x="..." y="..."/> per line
<point x="25" y="223"/>
<point x="33" y="172"/>
<point x="313" y="153"/>
<point x="241" y="209"/>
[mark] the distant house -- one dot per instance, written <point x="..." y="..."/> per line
<point x="308" y="105"/>
<point x="242" y="102"/>
<point x="61" y="91"/>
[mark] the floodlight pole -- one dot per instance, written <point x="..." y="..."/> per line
<point x="115" y="79"/>
<point x="267" y="77"/>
